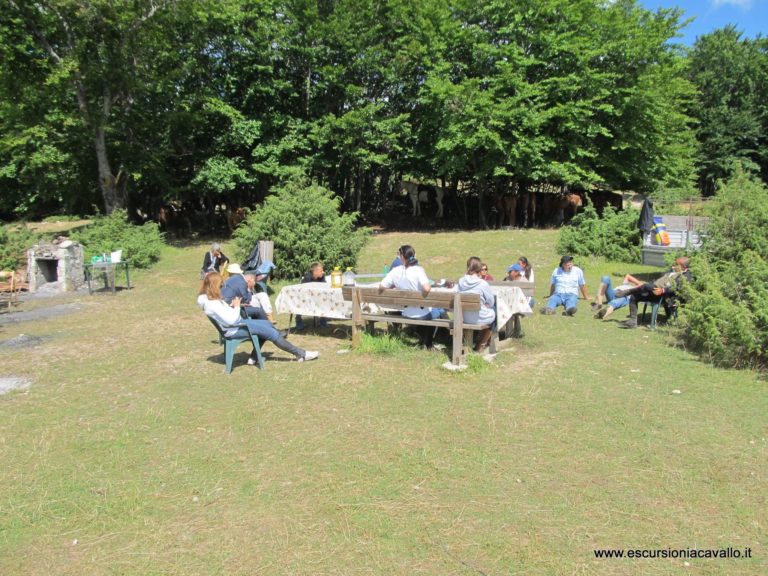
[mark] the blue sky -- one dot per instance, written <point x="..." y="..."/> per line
<point x="749" y="16"/>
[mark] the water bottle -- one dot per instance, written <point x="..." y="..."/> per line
<point x="386" y="269"/>
<point x="349" y="277"/>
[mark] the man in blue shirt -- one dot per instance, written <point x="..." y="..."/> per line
<point x="566" y="283"/>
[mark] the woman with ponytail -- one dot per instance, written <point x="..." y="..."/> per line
<point x="411" y="276"/>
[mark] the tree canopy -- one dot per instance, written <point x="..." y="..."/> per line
<point x="132" y="103"/>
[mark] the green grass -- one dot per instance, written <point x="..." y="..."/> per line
<point x="134" y="453"/>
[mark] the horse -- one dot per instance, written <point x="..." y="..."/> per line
<point x="419" y="194"/>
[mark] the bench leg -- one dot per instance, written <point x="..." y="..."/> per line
<point x="458" y="343"/>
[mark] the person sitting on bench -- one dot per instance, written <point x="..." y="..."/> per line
<point x="473" y="283"/>
<point x="411" y="276"/>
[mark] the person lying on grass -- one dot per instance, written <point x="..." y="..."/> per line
<point x="229" y="318"/>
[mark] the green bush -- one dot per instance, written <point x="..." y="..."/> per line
<point x="725" y="318"/>
<point x="304" y="222"/>
<point x="614" y="236"/>
<point x="14" y="243"/>
<point x="140" y="244"/>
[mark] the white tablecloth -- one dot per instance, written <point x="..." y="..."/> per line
<point x="319" y="299"/>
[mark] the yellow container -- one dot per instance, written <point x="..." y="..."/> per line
<point x="336" y="278"/>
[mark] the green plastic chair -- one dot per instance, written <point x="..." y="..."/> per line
<point x="231" y="343"/>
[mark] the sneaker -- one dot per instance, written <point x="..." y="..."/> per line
<point x="629" y="323"/>
<point x="252" y="361"/>
<point x="547" y="311"/>
<point x="570" y="312"/>
<point x="309" y="355"/>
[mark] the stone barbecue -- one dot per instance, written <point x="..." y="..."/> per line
<point x="55" y="267"/>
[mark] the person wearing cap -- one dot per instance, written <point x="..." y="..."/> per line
<point x="213" y="260"/>
<point x="664" y="289"/>
<point x="316" y="274"/>
<point x="566" y="283"/>
<point x="514" y="273"/>
<point x="240" y="285"/>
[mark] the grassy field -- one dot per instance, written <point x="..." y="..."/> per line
<point x="133" y="453"/>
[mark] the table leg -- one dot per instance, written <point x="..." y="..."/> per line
<point x="127" y="276"/>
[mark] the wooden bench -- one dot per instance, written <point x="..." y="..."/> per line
<point x="397" y="300"/>
<point x="513" y="328"/>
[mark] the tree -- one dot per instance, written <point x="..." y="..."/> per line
<point x="731" y="75"/>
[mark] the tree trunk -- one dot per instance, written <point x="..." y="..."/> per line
<point x="112" y="187"/>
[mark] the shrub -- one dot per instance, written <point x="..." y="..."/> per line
<point x="614" y="236"/>
<point x="140" y="244"/>
<point x="725" y="318"/>
<point x="305" y="225"/>
<point x="14" y="243"/>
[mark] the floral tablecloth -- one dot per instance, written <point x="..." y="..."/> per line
<point x="319" y="299"/>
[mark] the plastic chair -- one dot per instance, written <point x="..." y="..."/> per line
<point x="231" y="343"/>
<point x="670" y="311"/>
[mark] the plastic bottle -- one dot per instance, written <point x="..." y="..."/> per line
<point x="336" y="277"/>
<point x="386" y="269"/>
<point x="348" y="277"/>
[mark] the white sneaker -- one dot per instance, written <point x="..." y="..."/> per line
<point x="252" y="361"/>
<point x="309" y="355"/>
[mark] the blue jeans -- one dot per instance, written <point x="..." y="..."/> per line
<point x="567" y="300"/>
<point x="610" y="295"/>
<point x="265" y="331"/>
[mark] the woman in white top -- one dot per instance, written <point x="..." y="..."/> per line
<point x="527" y="273"/>
<point x="229" y="318"/>
<point x="411" y="276"/>
<point x="472" y="283"/>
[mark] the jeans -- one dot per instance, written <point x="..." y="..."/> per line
<point x="265" y="331"/>
<point x="610" y="295"/>
<point x="567" y="300"/>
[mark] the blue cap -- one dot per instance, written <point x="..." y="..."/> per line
<point x="515" y="267"/>
<point x="265" y="267"/>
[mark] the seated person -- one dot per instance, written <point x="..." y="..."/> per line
<point x="229" y="318"/>
<point x="213" y="260"/>
<point x="473" y="283"/>
<point x="514" y="273"/>
<point x="527" y="269"/>
<point x="566" y="283"/>
<point x="663" y="289"/>
<point x="606" y="293"/>
<point x="411" y="276"/>
<point x="240" y="285"/>
<point x="260" y="290"/>
<point x="315" y="274"/>
<point x="484" y="274"/>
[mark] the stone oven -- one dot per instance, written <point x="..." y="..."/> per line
<point x="55" y="267"/>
